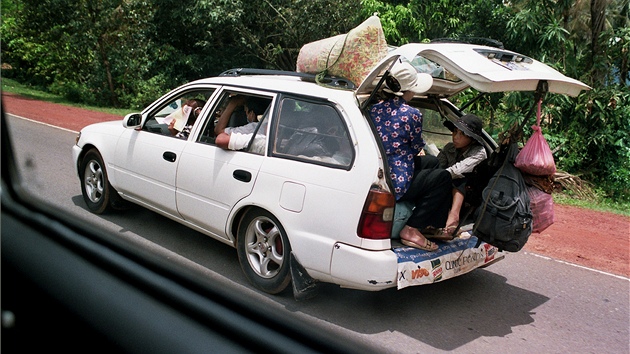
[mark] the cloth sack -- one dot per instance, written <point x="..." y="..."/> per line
<point x="536" y="157"/>
<point x="351" y="56"/>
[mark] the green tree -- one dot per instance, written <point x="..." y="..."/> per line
<point x="422" y="21"/>
<point x="598" y="19"/>
<point x="90" y="51"/>
<point x="400" y="24"/>
<point x="273" y="31"/>
<point x="591" y="137"/>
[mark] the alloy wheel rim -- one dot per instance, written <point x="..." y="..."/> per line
<point x="265" y="251"/>
<point x="93" y="181"/>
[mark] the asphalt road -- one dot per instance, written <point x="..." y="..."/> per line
<point x="523" y="304"/>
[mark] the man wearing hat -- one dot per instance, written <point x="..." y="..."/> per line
<point x="400" y="127"/>
<point x="459" y="158"/>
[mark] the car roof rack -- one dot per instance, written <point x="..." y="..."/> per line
<point x="471" y="40"/>
<point x="331" y="81"/>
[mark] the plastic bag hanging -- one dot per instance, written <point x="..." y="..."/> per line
<point x="536" y="158"/>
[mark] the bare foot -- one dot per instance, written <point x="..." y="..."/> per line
<point x="452" y="222"/>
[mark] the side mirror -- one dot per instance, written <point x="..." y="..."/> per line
<point x="132" y="120"/>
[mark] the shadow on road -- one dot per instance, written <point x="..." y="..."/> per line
<point x="444" y="315"/>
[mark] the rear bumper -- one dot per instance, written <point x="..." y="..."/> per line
<point x="403" y="266"/>
<point x="363" y="269"/>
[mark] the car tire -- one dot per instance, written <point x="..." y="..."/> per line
<point x="95" y="186"/>
<point x="263" y="251"/>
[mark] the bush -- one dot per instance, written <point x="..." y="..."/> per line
<point x="591" y="136"/>
<point x="69" y="90"/>
<point x="145" y="92"/>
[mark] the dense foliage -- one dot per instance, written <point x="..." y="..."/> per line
<point x="128" y="52"/>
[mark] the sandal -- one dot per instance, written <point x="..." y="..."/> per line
<point x="428" y="245"/>
<point x="453" y="230"/>
<point x="430" y="231"/>
<point x="442" y="234"/>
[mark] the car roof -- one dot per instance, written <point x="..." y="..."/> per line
<point x="279" y="81"/>
<point x="457" y="66"/>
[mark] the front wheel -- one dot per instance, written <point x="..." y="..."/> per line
<point x="95" y="187"/>
<point x="263" y="251"/>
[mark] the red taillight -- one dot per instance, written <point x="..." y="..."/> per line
<point x="377" y="216"/>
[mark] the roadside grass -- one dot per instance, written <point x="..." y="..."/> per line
<point x="12" y="86"/>
<point x="595" y="203"/>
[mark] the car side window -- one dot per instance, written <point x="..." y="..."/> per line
<point x="243" y="117"/>
<point x="312" y="131"/>
<point x="176" y="116"/>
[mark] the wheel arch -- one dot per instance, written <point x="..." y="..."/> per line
<point x="240" y="214"/>
<point x="84" y="150"/>
<point x="304" y="286"/>
<point x="116" y="201"/>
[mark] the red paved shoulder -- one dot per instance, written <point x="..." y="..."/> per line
<point x="68" y="117"/>
<point x="587" y="237"/>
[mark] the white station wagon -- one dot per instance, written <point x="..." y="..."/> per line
<point x="308" y="199"/>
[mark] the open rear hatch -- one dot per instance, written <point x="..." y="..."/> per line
<point x="457" y="66"/>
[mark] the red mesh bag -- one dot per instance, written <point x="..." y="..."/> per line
<point x="535" y="158"/>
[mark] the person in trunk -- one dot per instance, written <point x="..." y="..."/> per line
<point x="415" y="178"/>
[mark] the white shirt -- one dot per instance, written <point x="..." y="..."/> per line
<point x="240" y="137"/>
<point x="467" y="161"/>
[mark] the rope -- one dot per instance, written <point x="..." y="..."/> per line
<point x="319" y="78"/>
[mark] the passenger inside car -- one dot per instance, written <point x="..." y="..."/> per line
<point x="313" y="138"/>
<point x="180" y="127"/>
<point x="181" y="111"/>
<point x="238" y="138"/>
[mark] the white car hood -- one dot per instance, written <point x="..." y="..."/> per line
<point x="456" y="66"/>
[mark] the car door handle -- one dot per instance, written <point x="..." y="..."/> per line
<point x="241" y="175"/>
<point x="169" y="156"/>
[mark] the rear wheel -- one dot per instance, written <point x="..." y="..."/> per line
<point x="95" y="186"/>
<point x="263" y="251"/>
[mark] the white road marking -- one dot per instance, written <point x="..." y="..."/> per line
<point x="42" y="123"/>
<point x="578" y="266"/>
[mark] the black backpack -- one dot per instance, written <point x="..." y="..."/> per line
<point x="504" y="218"/>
